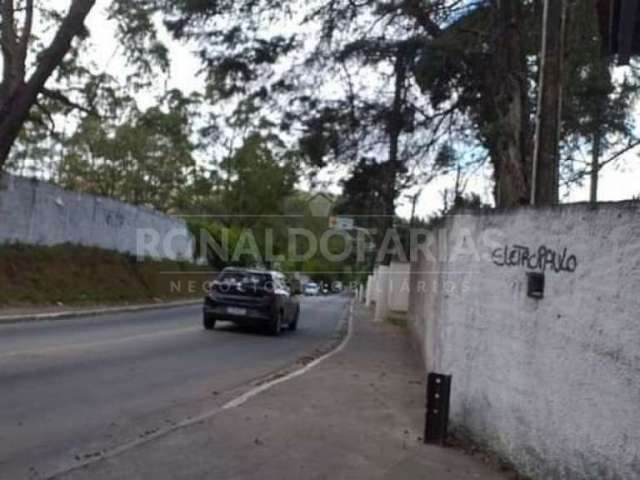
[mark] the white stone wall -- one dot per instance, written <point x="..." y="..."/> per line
<point x="381" y="295"/>
<point x="369" y="289"/>
<point x="424" y="302"/>
<point x="551" y="383"/>
<point x="40" y="213"/>
<point x="399" y="287"/>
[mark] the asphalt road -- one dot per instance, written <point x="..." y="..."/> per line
<point x="71" y="388"/>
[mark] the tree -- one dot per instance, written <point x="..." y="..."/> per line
<point x="382" y="126"/>
<point x="478" y="65"/>
<point x="140" y="157"/>
<point x="483" y="62"/>
<point x="19" y="92"/>
<point x="380" y="132"/>
<point x="362" y="196"/>
<point x="342" y="81"/>
<point x="599" y="110"/>
<point x="262" y="174"/>
<point x="506" y="79"/>
<point x="546" y="166"/>
<point x="406" y="38"/>
<point x="271" y="80"/>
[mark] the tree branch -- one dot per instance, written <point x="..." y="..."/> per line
<point x="62" y="98"/>
<point x="421" y="14"/>
<point x="8" y="47"/>
<point x="578" y="176"/>
<point x="71" y="27"/>
<point x="47" y="113"/>
<point x="26" y="32"/>
<point x="15" y="110"/>
<point x="617" y="155"/>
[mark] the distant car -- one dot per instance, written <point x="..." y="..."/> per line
<point x="311" y="289"/>
<point x="337" y="286"/>
<point x="251" y="297"/>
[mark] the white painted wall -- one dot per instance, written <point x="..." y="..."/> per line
<point x="381" y="296"/>
<point x="375" y="285"/>
<point x="369" y="291"/>
<point x="398" y="287"/>
<point x="553" y="384"/>
<point x="40" y="213"/>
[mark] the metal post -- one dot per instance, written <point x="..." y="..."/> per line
<point x="437" y="415"/>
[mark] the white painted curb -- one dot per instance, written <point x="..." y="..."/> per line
<point x="236" y="402"/>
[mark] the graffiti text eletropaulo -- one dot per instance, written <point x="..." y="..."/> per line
<point x="542" y="259"/>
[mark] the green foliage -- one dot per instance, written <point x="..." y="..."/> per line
<point x="598" y="107"/>
<point x="259" y="178"/>
<point x="137" y="32"/>
<point x="296" y="86"/>
<point x="453" y="67"/>
<point x="362" y="194"/>
<point x="261" y="174"/>
<point x="216" y="243"/>
<point x="142" y="158"/>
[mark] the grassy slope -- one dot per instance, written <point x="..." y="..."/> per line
<point x="77" y="275"/>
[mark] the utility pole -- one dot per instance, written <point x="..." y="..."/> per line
<point x="545" y="175"/>
<point x="414" y="200"/>
<point x="595" y="165"/>
<point x="599" y="106"/>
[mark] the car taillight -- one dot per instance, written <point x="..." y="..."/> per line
<point x="213" y="291"/>
<point x="268" y="294"/>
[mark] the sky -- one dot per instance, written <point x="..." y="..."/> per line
<point x="615" y="184"/>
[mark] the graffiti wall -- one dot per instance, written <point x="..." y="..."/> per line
<point x="551" y="381"/>
<point x="40" y="213"/>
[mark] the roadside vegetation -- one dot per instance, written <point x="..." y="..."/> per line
<point x="72" y="275"/>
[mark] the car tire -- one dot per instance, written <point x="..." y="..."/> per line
<point x="208" y="323"/>
<point x="293" y="325"/>
<point x="275" y="327"/>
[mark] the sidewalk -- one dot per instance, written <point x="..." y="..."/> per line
<point x="357" y="415"/>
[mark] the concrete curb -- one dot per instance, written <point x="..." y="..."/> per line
<point x="39" y="317"/>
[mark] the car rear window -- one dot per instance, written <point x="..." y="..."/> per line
<point x="243" y="278"/>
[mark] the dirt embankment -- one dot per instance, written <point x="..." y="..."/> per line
<point x="75" y="275"/>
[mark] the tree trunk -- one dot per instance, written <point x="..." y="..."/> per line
<point x="502" y="114"/>
<point x="507" y="102"/>
<point x="394" y="128"/>
<point x="545" y="175"/>
<point x="604" y="78"/>
<point x="20" y="96"/>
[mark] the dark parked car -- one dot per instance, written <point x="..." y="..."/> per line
<point x="253" y="298"/>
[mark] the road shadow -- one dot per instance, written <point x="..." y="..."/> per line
<point x="231" y="327"/>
